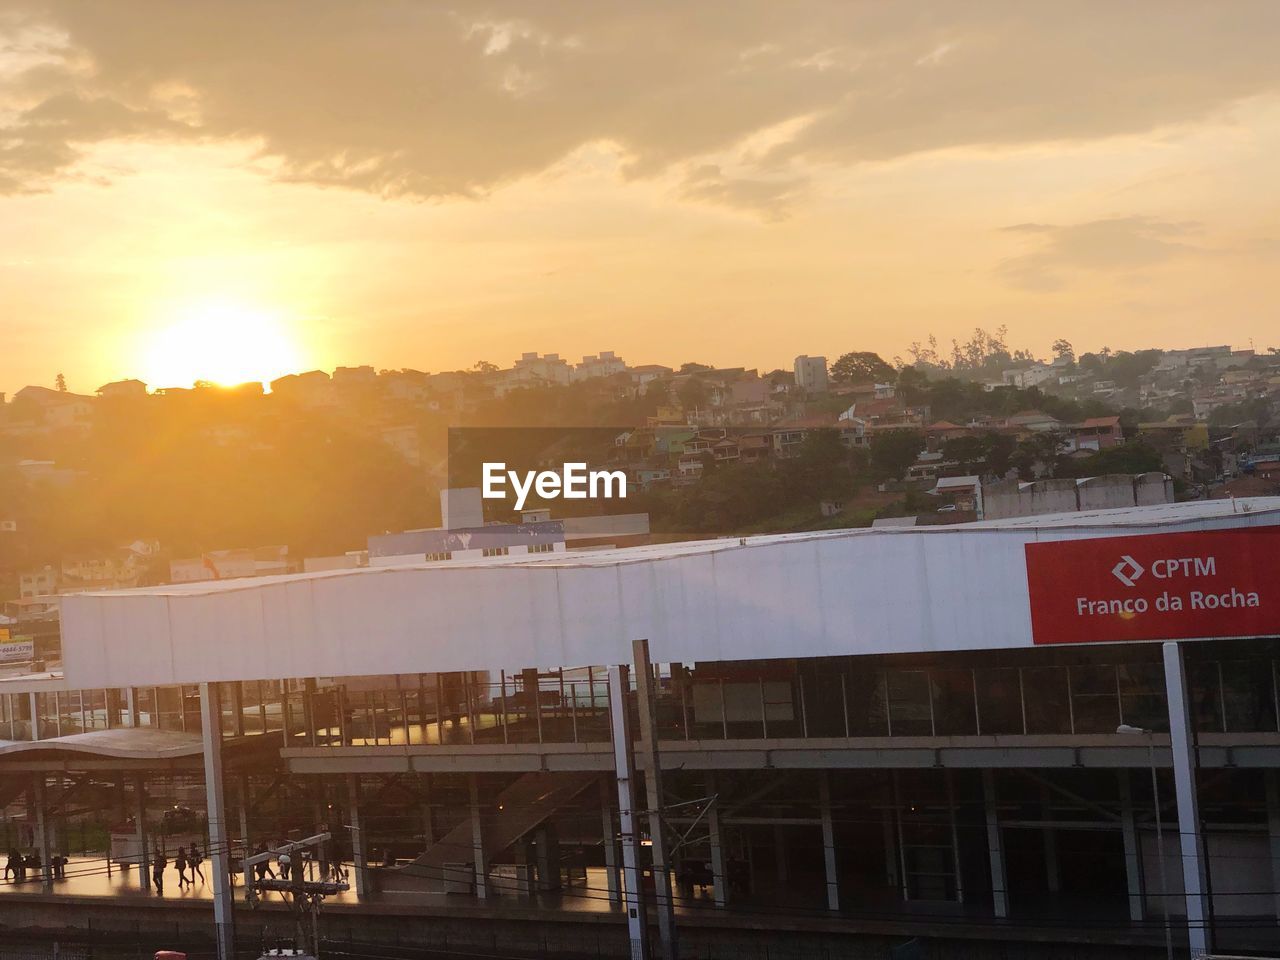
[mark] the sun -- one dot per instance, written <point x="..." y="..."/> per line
<point x="223" y="342"/>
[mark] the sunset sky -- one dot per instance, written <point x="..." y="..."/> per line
<point x="236" y="190"/>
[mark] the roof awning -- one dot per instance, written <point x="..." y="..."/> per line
<point x="126" y="743"/>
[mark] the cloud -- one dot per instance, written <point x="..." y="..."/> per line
<point x="1115" y="245"/>
<point x="767" y="198"/>
<point x="407" y="99"/>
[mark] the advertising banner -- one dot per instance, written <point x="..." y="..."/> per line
<point x="1166" y="586"/>
<point x="16" y="651"/>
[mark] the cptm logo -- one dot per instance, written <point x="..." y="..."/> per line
<point x="1128" y="570"/>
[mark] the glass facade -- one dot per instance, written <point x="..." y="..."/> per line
<point x="1234" y="688"/>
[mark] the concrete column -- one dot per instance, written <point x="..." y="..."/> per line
<point x="215" y="811"/>
<point x="33" y="703"/>
<point x="548" y="854"/>
<point x="359" y="859"/>
<point x="1273" y="832"/>
<point x="663" y="894"/>
<point x="625" y="770"/>
<point x="1132" y="851"/>
<point x="140" y="831"/>
<point x="477" y="840"/>
<point x="1191" y="845"/>
<point x="609" y="833"/>
<point x="38" y="802"/>
<point x="828" y="842"/>
<point x="719" y="877"/>
<point x="995" y="847"/>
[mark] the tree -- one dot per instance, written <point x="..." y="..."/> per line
<point x="61" y="383"/>
<point x="862" y="366"/>
<point x="893" y="451"/>
<point x="1037" y="454"/>
<point x="989" y="449"/>
<point x="970" y="452"/>
<point x="1137" y="457"/>
<point x="484" y="366"/>
<point x="692" y="393"/>
<point x="1062" y="349"/>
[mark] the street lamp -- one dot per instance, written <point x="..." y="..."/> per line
<point x="1128" y="729"/>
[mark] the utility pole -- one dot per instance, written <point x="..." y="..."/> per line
<point x="305" y="897"/>
<point x="664" y="901"/>
<point x="624" y="763"/>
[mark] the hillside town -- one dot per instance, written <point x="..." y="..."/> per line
<point x="915" y="439"/>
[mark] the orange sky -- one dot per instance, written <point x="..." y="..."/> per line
<point x="236" y="189"/>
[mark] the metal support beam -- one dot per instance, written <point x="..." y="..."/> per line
<point x="215" y="813"/>
<point x="359" y="858"/>
<point x="246" y="843"/>
<point x="140" y="831"/>
<point x="890" y="849"/>
<point x="1273" y="833"/>
<point x="902" y="840"/>
<point x="1182" y="741"/>
<point x="828" y="842"/>
<point x="664" y="899"/>
<point x="428" y="813"/>
<point x="1052" y="875"/>
<point x="609" y="835"/>
<point x="624" y="763"/>
<point x="780" y="855"/>
<point x="39" y="802"/>
<point x="995" y="848"/>
<point x="953" y="816"/>
<point x="481" y="861"/>
<point x="1132" y="852"/>
<point x="719" y="877"/>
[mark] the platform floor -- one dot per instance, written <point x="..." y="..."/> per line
<point x="89" y="877"/>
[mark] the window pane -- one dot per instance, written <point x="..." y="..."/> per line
<point x="909" y="712"/>
<point x="1044" y="691"/>
<point x="953" y="699"/>
<point x="999" y="701"/>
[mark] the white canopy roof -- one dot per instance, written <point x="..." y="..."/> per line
<point x="897" y="589"/>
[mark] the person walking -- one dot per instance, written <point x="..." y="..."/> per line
<point x="158" y="863"/>
<point x="263" y="867"/>
<point x="180" y="861"/>
<point x="12" y="864"/>
<point x="195" y="858"/>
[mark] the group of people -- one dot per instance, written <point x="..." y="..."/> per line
<point x="19" y="868"/>
<point x="183" y="860"/>
<point x="323" y="864"/>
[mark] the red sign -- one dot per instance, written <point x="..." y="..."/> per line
<point x="1163" y="586"/>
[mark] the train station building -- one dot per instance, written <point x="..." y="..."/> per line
<point x="1054" y="729"/>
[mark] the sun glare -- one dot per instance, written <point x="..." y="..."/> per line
<point x="222" y="342"/>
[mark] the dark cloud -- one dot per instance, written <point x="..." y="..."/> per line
<point x="404" y="98"/>
<point x="1115" y="245"/>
